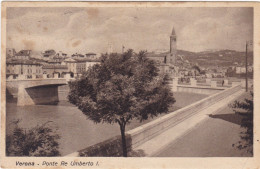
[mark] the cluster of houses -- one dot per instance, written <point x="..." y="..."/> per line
<point x="26" y="65"/>
<point x="216" y="71"/>
<point x="240" y="71"/>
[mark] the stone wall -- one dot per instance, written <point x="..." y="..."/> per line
<point x="199" y="89"/>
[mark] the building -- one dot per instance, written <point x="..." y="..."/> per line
<point x="91" y="63"/>
<point x="10" y="52"/>
<point x="240" y="70"/>
<point x="91" y="55"/>
<point x="78" y="56"/>
<point x="40" y="61"/>
<point x="56" y="60"/>
<point x="61" y="54"/>
<point x="166" y="62"/>
<point x="171" y="57"/>
<point x="71" y="64"/>
<point x="23" y="54"/>
<point x="50" y="70"/>
<point x="26" y="68"/>
<point x="48" y="54"/>
<point x="80" y="67"/>
<point x="158" y="58"/>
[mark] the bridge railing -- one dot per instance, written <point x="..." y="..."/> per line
<point x="208" y="82"/>
<point x="37" y="77"/>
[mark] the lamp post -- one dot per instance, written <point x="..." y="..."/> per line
<point x="246" y="68"/>
<point x="247" y="44"/>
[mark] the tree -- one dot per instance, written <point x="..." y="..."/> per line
<point x="123" y="87"/>
<point x="245" y="109"/>
<point x="37" y="141"/>
<point x="196" y="70"/>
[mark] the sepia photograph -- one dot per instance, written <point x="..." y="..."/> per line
<point x="127" y="81"/>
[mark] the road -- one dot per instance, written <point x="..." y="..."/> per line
<point x="213" y="137"/>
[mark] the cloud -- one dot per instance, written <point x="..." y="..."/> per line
<point x="91" y="29"/>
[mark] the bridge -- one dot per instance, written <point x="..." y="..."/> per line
<point x="35" y="91"/>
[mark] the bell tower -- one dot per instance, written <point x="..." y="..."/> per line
<point x="173" y="46"/>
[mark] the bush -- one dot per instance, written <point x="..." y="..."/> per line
<point x="37" y="141"/>
<point x="245" y="109"/>
<point x="108" y="148"/>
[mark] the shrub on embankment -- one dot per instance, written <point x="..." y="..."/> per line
<point x="108" y="148"/>
<point x="40" y="140"/>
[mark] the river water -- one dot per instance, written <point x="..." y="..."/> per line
<point x="76" y="131"/>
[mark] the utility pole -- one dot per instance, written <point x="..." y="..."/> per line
<point x="246" y="68"/>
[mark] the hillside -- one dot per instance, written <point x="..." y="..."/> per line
<point x="215" y="58"/>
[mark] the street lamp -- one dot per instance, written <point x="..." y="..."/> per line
<point x="247" y="43"/>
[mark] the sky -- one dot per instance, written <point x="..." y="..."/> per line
<point x="82" y="30"/>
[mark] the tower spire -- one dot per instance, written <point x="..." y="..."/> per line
<point x="173" y="46"/>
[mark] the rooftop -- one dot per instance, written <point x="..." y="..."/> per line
<point x="49" y="52"/>
<point x="80" y="55"/>
<point x="54" y="61"/>
<point x="23" y="53"/>
<point x="87" y="60"/>
<point x="22" y="62"/>
<point x="57" y="57"/>
<point x="54" y="67"/>
<point x="91" y="53"/>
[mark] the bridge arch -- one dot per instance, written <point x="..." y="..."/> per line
<point x="36" y="91"/>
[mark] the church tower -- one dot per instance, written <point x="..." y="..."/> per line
<point x="173" y="47"/>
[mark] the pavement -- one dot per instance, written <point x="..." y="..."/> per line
<point x="210" y="133"/>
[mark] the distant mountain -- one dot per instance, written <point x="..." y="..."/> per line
<point x="216" y="57"/>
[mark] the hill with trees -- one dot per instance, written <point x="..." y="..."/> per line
<point x="216" y="57"/>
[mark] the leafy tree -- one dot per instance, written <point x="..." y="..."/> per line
<point x="245" y="109"/>
<point x="196" y="70"/>
<point x="123" y="87"/>
<point x="202" y="72"/>
<point x="38" y="141"/>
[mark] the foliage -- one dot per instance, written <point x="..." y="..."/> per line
<point x="202" y="72"/>
<point x="245" y="109"/>
<point x="37" y="141"/>
<point x="197" y="70"/>
<point x="123" y="87"/>
<point x="108" y="148"/>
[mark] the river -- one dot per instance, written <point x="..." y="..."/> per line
<point x="76" y="131"/>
